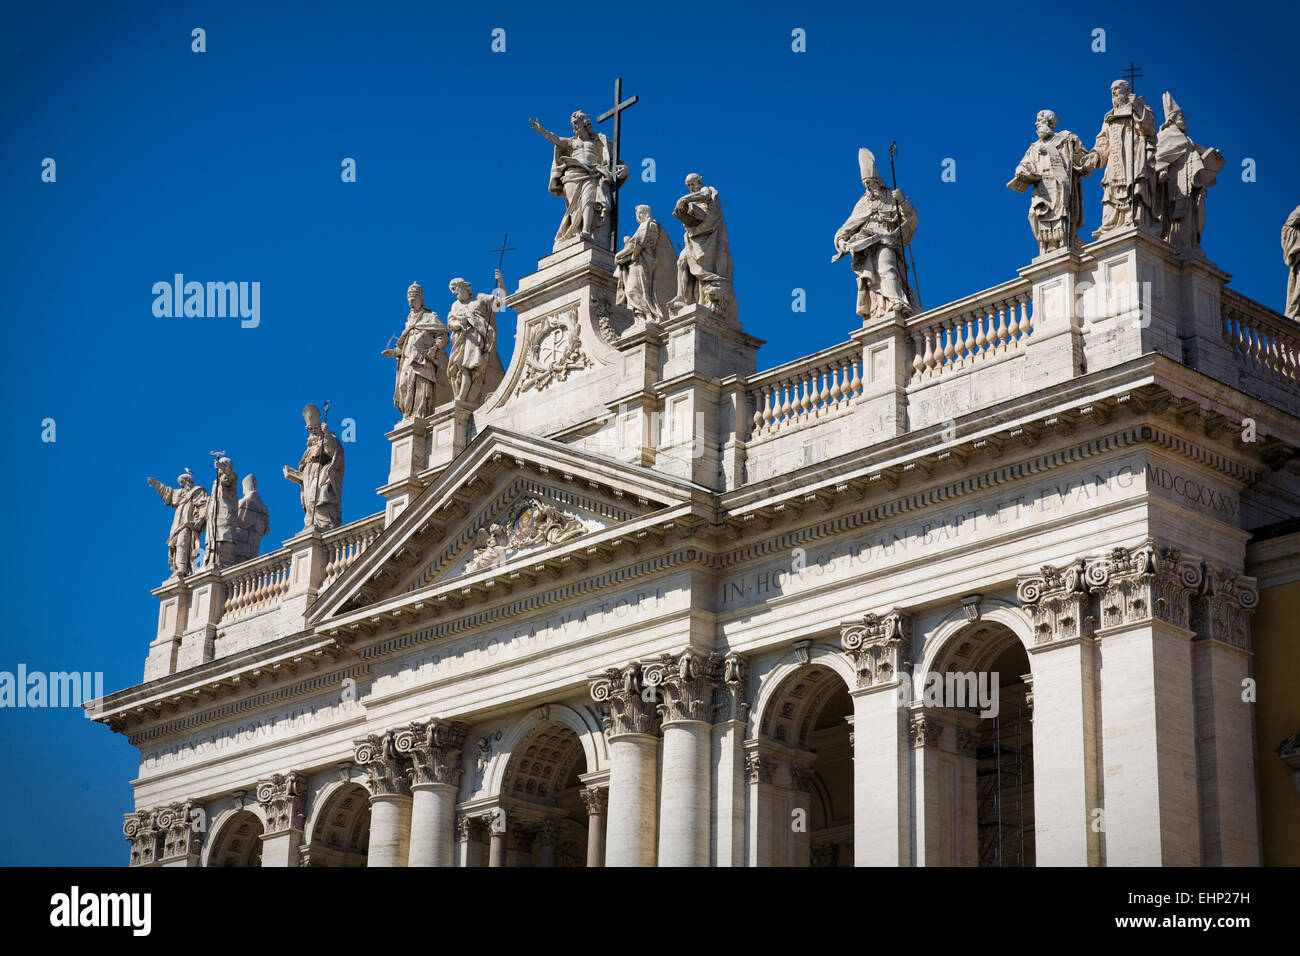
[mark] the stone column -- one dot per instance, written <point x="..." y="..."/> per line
<point x="687" y="683"/>
<point x="498" y="831"/>
<point x="966" y="813"/>
<point x="597" y="801"/>
<point x="469" y="831"/>
<point x="926" y="730"/>
<point x="390" y="800"/>
<point x="634" y="766"/>
<point x="283" y="799"/>
<point x="182" y="826"/>
<point x="435" y="750"/>
<point x="1148" y="726"/>
<point x="879" y="648"/>
<point x="1066" y="797"/>
<point x="1225" y="738"/>
<point x="729" y="759"/>
<point x="801" y="788"/>
<point x="767" y="824"/>
<point x="548" y="831"/>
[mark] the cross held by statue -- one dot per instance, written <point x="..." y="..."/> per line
<point x="1131" y="73"/>
<point x="615" y="156"/>
<point x="503" y="249"/>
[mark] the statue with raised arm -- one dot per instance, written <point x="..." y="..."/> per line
<point x="580" y="175"/>
<point x="647" y="270"/>
<point x="190" y="504"/>
<point x="1054" y="166"/>
<point x="881" y="225"/>
<point x="320" y="474"/>
<point x="705" y="272"/>
<point x="473" y="326"/>
<point x="1125" y="148"/>
<point x="254" y="521"/>
<point x="1291" y="256"/>
<point x="223" y="517"/>
<point x="1184" y="171"/>
<point x="421" y="354"/>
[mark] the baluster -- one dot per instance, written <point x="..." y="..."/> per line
<point x="981" y="340"/>
<point x="825" y="397"/>
<point x="932" y="352"/>
<point x="968" y="343"/>
<point x="855" y="387"/>
<point x="837" y="386"/>
<point x="1000" y="329"/>
<point x="949" y="347"/>
<point x="785" y="402"/>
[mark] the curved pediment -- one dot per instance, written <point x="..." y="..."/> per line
<point x="507" y="500"/>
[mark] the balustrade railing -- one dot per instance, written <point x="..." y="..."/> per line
<point x="971" y="330"/>
<point x="1268" y="342"/>
<point x="259" y="585"/>
<point x="805" y="390"/>
<point x="344" y="545"/>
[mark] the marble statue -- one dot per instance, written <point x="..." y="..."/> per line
<point x="1125" y="148"/>
<point x="473" y="326"/>
<point x="1054" y="166"/>
<point x="320" y="473"/>
<point x="254" y="521"/>
<point x="882" y="223"/>
<point x="1184" y="171"/>
<point x="190" y="504"/>
<point x="647" y="270"/>
<point x="580" y="175"/>
<point x="704" y="268"/>
<point x="1291" y="256"/>
<point x="223" y="517"/>
<point x="421" y="353"/>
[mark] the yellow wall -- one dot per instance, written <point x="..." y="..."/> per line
<point x="1276" y="634"/>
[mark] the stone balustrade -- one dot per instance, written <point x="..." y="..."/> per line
<point x="1267" y="344"/>
<point x="256" y="584"/>
<point x="808" y="389"/>
<point x="957" y="336"/>
<point x="344" y="545"/>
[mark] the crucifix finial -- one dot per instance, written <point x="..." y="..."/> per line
<point x="1131" y="73"/>
<point x="616" y="112"/>
<point x="503" y="249"/>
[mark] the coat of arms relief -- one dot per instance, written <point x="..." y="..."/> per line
<point x="554" y="350"/>
<point x="533" y="522"/>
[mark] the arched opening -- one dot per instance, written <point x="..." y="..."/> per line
<point x="995" y="734"/>
<point x="541" y="794"/>
<point x="341" y="833"/>
<point x="238" y="842"/>
<point x="800" y="770"/>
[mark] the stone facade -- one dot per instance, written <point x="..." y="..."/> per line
<point x="645" y="604"/>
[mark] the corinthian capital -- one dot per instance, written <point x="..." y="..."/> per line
<point x="283" y="798"/>
<point x="1058" y="601"/>
<point x="596" y="800"/>
<point x="686" y="682"/>
<point x="1222" y="611"/>
<point x="182" y="825"/>
<point x="732" y="699"/>
<point x="631" y="701"/>
<point x="435" y="750"/>
<point x="879" y="646"/>
<point x="1146" y="583"/>
<point x="384" y="766"/>
<point x="140" y="832"/>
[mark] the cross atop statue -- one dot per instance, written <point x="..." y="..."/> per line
<point x="1131" y="73"/>
<point x="503" y="249"/>
<point x="616" y="112"/>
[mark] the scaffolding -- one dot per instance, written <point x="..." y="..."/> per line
<point x="1004" y="784"/>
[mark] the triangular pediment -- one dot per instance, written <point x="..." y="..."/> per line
<point x="506" y="503"/>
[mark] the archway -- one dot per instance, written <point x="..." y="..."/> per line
<point x="991" y="744"/>
<point x="237" y="841"/>
<point x="541" y="795"/>
<point x="800" y="770"/>
<point x="340" y="833"/>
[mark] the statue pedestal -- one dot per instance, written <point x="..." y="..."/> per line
<point x="173" y="616"/>
<point x="421" y="447"/>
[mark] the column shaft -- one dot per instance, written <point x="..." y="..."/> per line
<point x="684" y="813"/>
<point x="433" y="818"/>
<point x="633" y="788"/>
<point x="390" y="830"/>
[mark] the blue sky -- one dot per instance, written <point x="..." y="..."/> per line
<point x="225" y="166"/>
